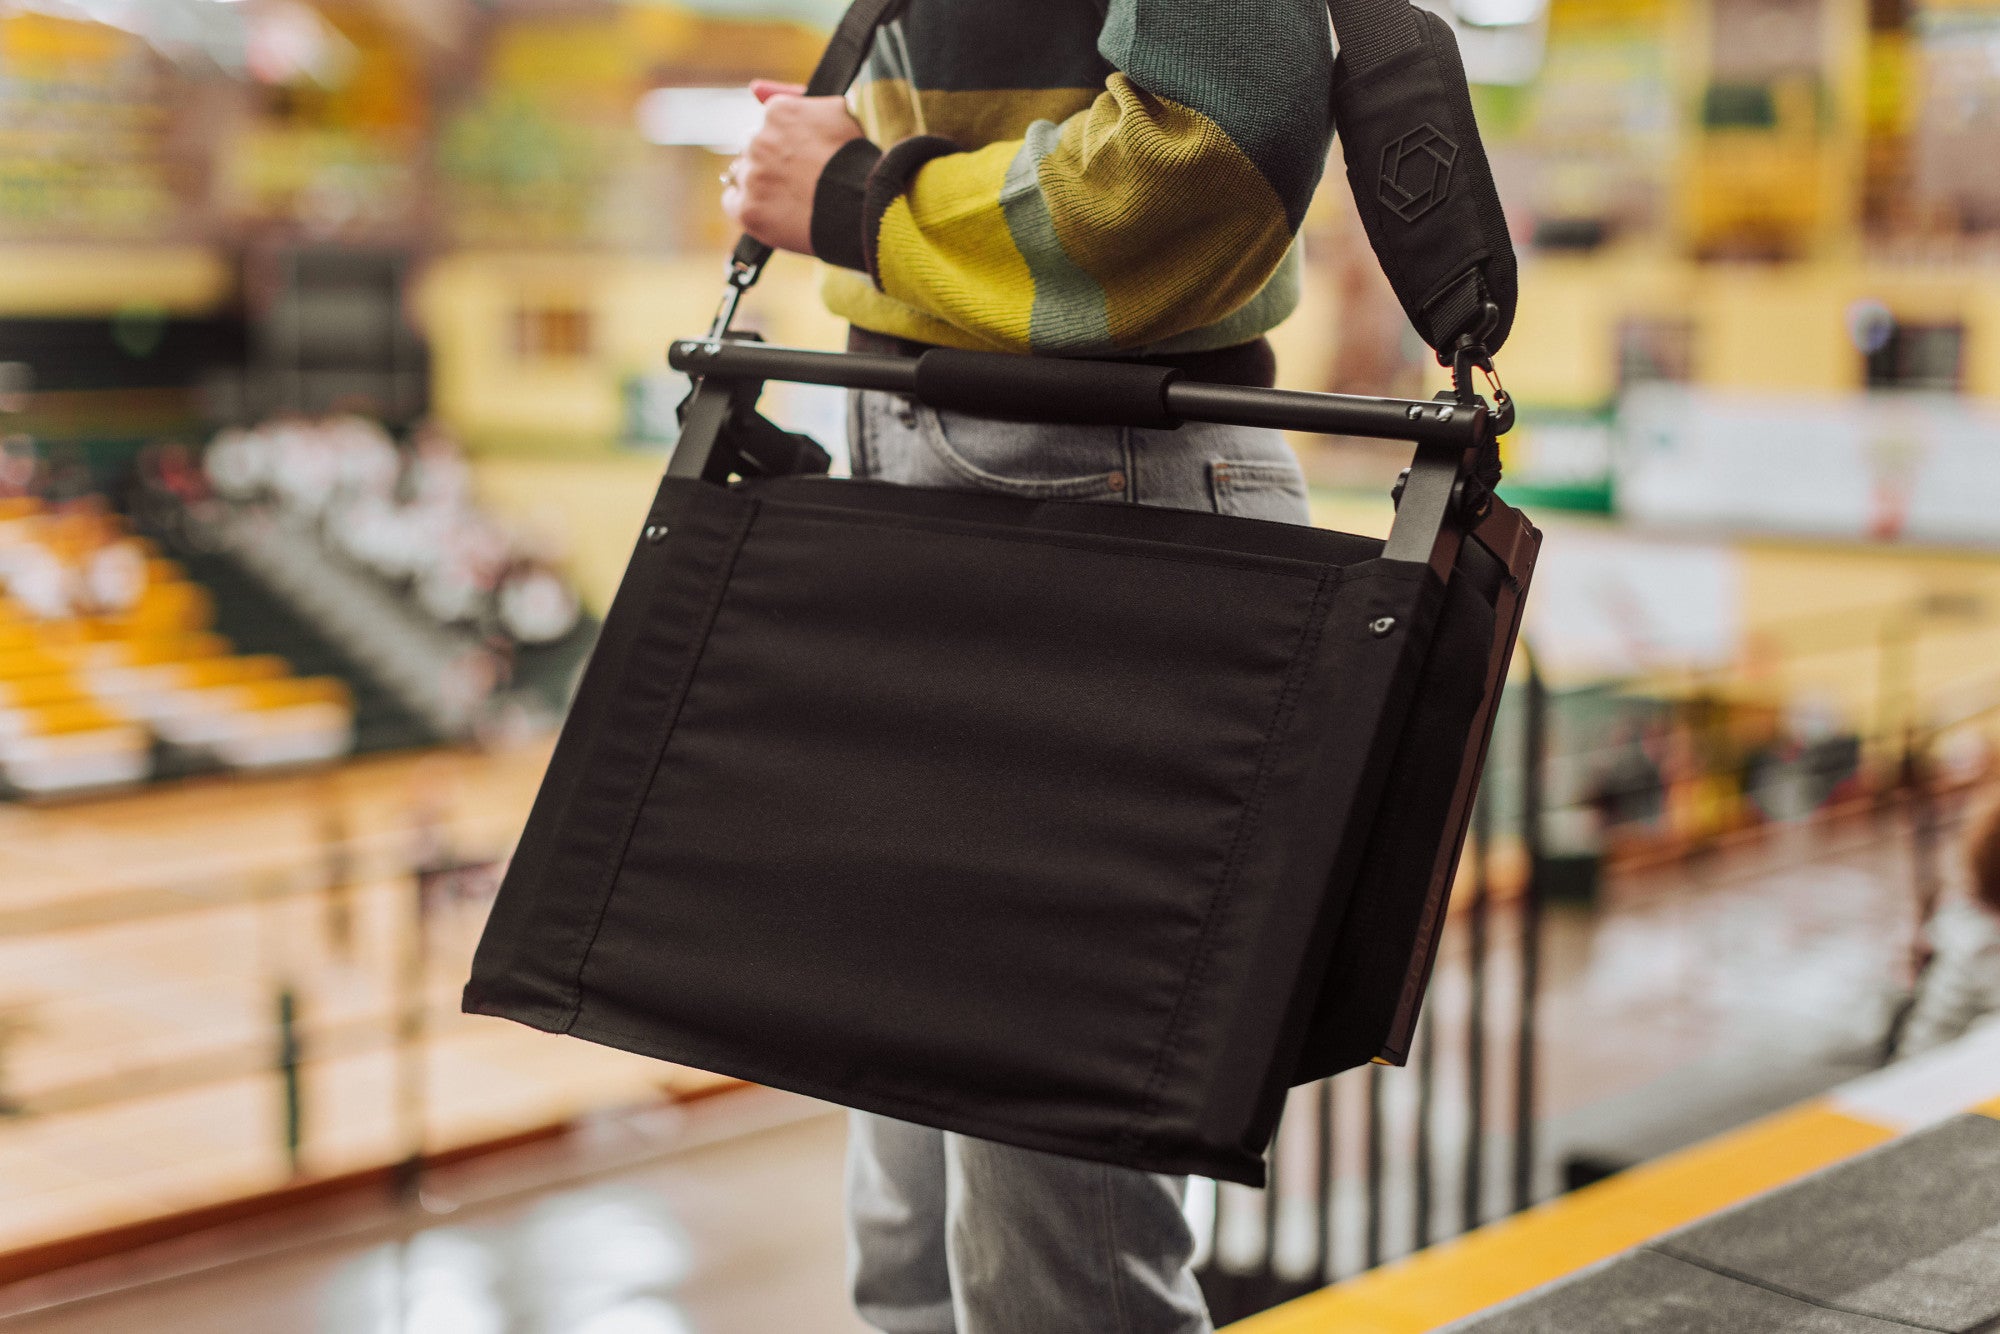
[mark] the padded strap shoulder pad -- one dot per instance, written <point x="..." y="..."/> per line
<point x="1420" y="176"/>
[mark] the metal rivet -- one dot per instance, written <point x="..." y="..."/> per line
<point x="1381" y="626"/>
<point x="1445" y="414"/>
<point x="654" y="532"/>
<point x="1414" y="412"/>
<point x="1116" y="481"/>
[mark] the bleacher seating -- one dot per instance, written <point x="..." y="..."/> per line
<point x="107" y="655"/>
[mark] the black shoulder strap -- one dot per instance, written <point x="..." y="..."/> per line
<point x="1414" y="161"/>
<point x="839" y="65"/>
<point x="1419" y="173"/>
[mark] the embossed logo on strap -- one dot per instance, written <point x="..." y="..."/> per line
<point x="1416" y="172"/>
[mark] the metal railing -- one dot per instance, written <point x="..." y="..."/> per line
<point x="296" y="916"/>
<point x="1379" y="1162"/>
<point x="1366" y="1167"/>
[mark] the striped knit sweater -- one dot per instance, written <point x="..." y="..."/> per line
<point x="1079" y="177"/>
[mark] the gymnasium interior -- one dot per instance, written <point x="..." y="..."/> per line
<point x="333" y="396"/>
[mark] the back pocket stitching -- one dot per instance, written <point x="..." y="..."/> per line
<point x="1229" y="477"/>
<point x="931" y="427"/>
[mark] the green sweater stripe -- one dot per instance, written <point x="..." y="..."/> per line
<point x="1262" y="70"/>
<point x="1070" y="312"/>
<point x="1156" y="219"/>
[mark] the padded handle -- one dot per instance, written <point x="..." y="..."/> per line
<point x="1046" y="389"/>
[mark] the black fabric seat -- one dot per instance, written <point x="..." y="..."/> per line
<point x="1076" y="826"/>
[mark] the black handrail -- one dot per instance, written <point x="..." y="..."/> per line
<point x="1415" y="420"/>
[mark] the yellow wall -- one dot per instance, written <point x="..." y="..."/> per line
<point x="1816" y="617"/>
<point x="104" y="279"/>
<point x="1764" y="327"/>
<point x="500" y="403"/>
<point x="591" y="509"/>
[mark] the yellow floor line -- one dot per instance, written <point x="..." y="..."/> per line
<point x="1511" y="1257"/>
<point x="1991" y="1109"/>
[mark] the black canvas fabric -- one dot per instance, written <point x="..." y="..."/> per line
<point x="1073" y="826"/>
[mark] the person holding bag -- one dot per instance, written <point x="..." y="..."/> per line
<point x="1056" y="178"/>
<point x="1058" y="839"/>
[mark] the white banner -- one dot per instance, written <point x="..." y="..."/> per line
<point x="1889" y="466"/>
<point x="1607" y="604"/>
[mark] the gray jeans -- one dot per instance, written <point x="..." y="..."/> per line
<point x="1227" y="469"/>
<point x="954" y="1235"/>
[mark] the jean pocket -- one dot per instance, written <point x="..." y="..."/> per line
<point x="1029" y="459"/>
<point x="1259" y="489"/>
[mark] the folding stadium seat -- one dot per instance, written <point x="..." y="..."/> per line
<point x="192" y="704"/>
<point x="285" y="721"/>
<point x="23" y="697"/>
<point x="122" y="666"/>
<point x="30" y="659"/>
<point x="74" y="747"/>
<point x="168" y="608"/>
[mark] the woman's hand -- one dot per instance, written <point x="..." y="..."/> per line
<point x="769" y="189"/>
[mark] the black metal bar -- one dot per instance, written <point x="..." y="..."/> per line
<point x="1228" y="405"/>
<point x="1215" y="1232"/>
<point x="1424" y="529"/>
<point x="290" y="1061"/>
<point x="1426" y="1099"/>
<point x="1926" y="882"/>
<point x="1533" y="751"/>
<point x="1323" y="1249"/>
<point x="737" y="360"/>
<point x="1471" y="1206"/>
<point x="1269" y="1269"/>
<point x="1373" y="1236"/>
<point x="1327" y="414"/>
<point x="705" y="416"/>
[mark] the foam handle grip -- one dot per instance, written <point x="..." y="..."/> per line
<point x="1046" y="389"/>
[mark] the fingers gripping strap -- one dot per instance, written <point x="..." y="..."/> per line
<point x="842" y="60"/>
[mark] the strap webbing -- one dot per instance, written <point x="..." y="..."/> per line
<point x="847" y="51"/>
<point x="1373" y="31"/>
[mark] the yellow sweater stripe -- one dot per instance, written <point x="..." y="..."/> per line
<point x="1140" y="165"/>
<point x="945" y="247"/>
<point x="1134" y="223"/>
<point x="891" y="111"/>
<point x="1164" y="211"/>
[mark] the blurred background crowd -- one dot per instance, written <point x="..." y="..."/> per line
<point x="331" y="396"/>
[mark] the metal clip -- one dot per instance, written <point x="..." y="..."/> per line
<point x="1469" y="355"/>
<point x="741" y="278"/>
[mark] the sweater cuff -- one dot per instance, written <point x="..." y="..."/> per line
<point x="886" y="184"/>
<point x="837" y="217"/>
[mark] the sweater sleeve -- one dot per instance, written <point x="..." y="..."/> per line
<point x="1163" y="207"/>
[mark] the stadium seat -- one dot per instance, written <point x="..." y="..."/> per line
<point x="84" y="691"/>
